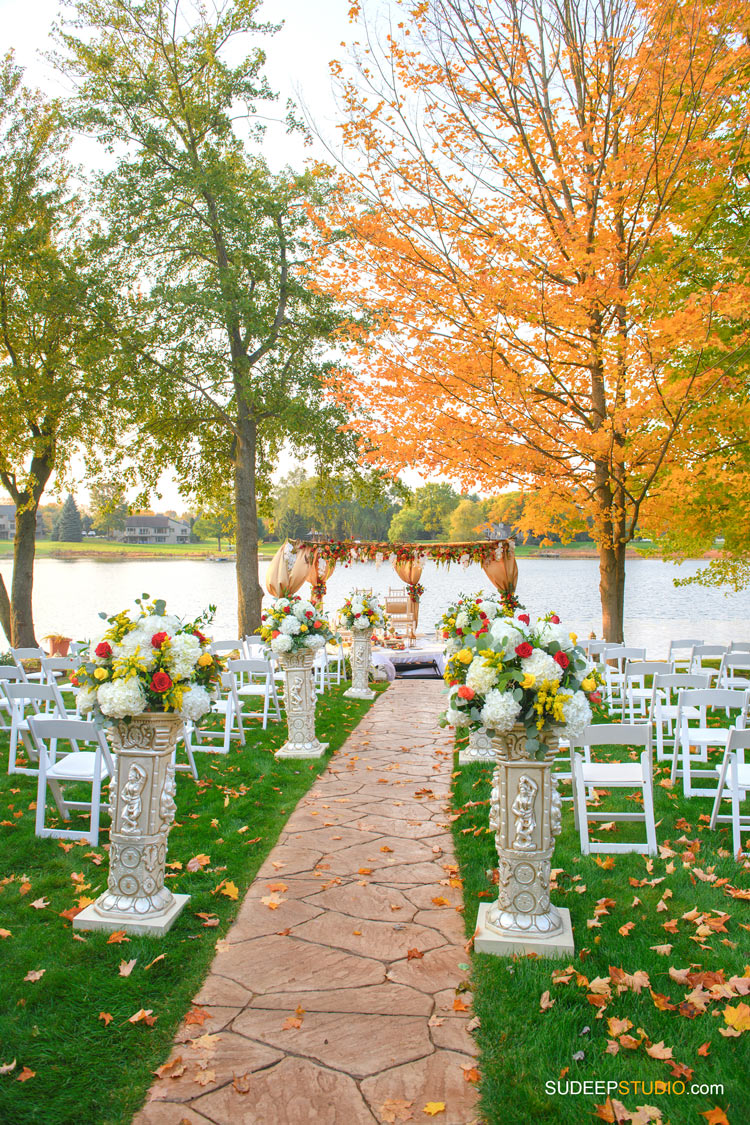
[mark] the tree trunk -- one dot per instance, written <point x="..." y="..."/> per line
<point x="24" y="550"/>
<point x="249" y="592"/>
<point x="4" y="609"/>
<point x="612" y="590"/>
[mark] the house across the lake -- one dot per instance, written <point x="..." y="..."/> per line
<point x="155" y="529"/>
<point x="8" y="522"/>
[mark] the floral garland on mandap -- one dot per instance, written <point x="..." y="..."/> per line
<point x="362" y="611"/>
<point x="293" y="625"/>
<point x="472" y="615"/>
<point x="514" y="672"/>
<point x="150" y="662"/>
<point x="346" y="551"/>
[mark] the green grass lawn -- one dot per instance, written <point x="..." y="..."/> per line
<point x="691" y="900"/>
<point x="70" y="1027"/>
<point x="106" y="548"/>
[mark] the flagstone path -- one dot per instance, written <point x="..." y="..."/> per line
<point x="341" y="1006"/>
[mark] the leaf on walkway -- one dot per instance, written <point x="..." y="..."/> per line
<point x="433" y="1108"/>
<point x="414" y="955"/>
<point x="396" y="1109"/>
<point x="197" y="1016"/>
<point x="173" y="1069"/>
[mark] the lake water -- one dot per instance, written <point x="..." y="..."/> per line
<point x="68" y="595"/>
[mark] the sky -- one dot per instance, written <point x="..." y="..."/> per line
<point x="297" y="67"/>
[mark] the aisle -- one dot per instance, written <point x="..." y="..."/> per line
<point x="334" y="998"/>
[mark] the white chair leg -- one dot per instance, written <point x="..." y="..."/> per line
<point x="580" y="804"/>
<point x="735" y="786"/>
<point x="648" y="803"/>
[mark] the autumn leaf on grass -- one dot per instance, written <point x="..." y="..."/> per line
<point x="198" y="862"/>
<point x="106" y="1018"/>
<point x="396" y="1109"/>
<point x="625" y="930"/>
<point x="433" y="1108"/>
<point x="230" y="890"/>
<point x="618" y="1027"/>
<point x="738" y="1018"/>
<point x="209" y="919"/>
<point x="117" y="937"/>
<point x="715" y="1116"/>
<point x="5" y="933"/>
<point x="35" y="974"/>
<point x="173" y="1069"/>
<point x="659" y="1051"/>
<point x="39" y="904"/>
<point x="6" y="1068"/>
<point x="662" y="950"/>
<point x="126" y="967"/>
<point x="606" y="864"/>
<point x="143" y="1015"/>
<point x="704" y="1049"/>
<point x="545" y="1003"/>
<point x="613" y="1112"/>
<point x="25" y="1075"/>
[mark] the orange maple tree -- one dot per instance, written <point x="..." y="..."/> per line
<point x="529" y="186"/>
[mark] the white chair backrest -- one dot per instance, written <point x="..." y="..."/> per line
<point x="708" y="698"/>
<point x="11" y="672"/>
<point x="21" y="693"/>
<point x="637" y="669"/>
<point x="614" y="734"/>
<point x="252" y="667"/>
<point x="705" y="652"/>
<point x="53" y="664"/>
<point x="218" y="647"/>
<point x="46" y="728"/>
<point x="739" y="646"/>
<point x="734" y="666"/>
<point x="685" y="643"/>
<point x="31" y="653"/>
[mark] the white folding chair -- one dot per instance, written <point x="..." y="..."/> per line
<point x="615" y="657"/>
<point x="255" y="679"/>
<point x="9" y="673"/>
<point x="734" y="671"/>
<point x="704" y="657"/>
<point x="637" y="695"/>
<point x="32" y="653"/>
<point x="226" y="648"/>
<point x="594" y="648"/>
<point x="57" y="769"/>
<point x="253" y="647"/>
<point x="681" y="652"/>
<point x="320" y="671"/>
<point x="55" y="669"/>
<point x="734" y="782"/>
<point x="739" y="646"/>
<point x="693" y="742"/>
<point x="613" y="775"/>
<point x="336" y="664"/>
<point x="662" y="714"/>
<point x="229" y="708"/>
<point x="29" y="699"/>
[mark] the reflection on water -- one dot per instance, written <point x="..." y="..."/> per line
<point x="68" y="594"/>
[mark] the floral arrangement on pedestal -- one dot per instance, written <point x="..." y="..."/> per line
<point x="513" y="672"/>
<point x="362" y="611"/>
<point x="471" y="615"/>
<point x="293" y="624"/>
<point x="149" y="662"/>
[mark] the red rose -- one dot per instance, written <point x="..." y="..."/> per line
<point x="103" y="650"/>
<point x="197" y="633"/>
<point x="158" y="639"/>
<point x="524" y="649"/>
<point x="524" y="617"/>
<point x="483" y="615"/>
<point x="74" y="681"/>
<point x="460" y="632"/>
<point x="561" y="659"/>
<point x="318" y="625"/>
<point x="287" y="609"/>
<point x="160" y="682"/>
<point x="555" y="619"/>
<point x="595" y="696"/>
<point x="466" y="692"/>
<point x="275" y="633"/>
<point x="309" y="613"/>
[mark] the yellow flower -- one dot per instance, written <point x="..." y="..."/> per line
<point x="205" y="659"/>
<point x="465" y="656"/>
<point x="573" y="637"/>
<point x="588" y="684"/>
<point x="303" y="628"/>
<point x="100" y="673"/>
<point x="528" y="680"/>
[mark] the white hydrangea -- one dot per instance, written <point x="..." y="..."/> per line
<point x="490" y="609"/>
<point x="85" y="700"/>
<point x="357" y="606"/>
<point x="506" y="636"/>
<point x="361" y="623"/>
<point x="314" y="641"/>
<point x="119" y="698"/>
<point x="500" y="711"/>
<point x="552" y="632"/>
<point x="196" y="702"/>
<point x="457" y="718"/>
<point x="282" y="643"/>
<point x="577" y="714"/>
<point x="183" y="656"/>
<point x="301" y="609"/>
<point x="137" y="642"/>
<point x="290" y="626"/>
<point x="154" y="624"/>
<point x="462" y="620"/>
<point x="541" y="666"/>
<point x="480" y="676"/>
<point x="452" y="646"/>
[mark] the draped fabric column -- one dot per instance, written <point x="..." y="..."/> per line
<point x="319" y="571"/>
<point x="286" y="572"/>
<point x="410" y="573"/>
<point x="503" y="572"/>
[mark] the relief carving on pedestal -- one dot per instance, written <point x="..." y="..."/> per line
<point x="523" y="810"/>
<point x="131" y="799"/>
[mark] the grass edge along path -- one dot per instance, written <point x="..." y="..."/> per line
<point x="640" y="925"/>
<point x="88" y="1017"/>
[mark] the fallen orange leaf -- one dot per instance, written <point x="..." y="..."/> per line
<point x="25" y="1075"/>
<point x="106" y="1018"/>
<point x="433" y="1108"/>
<point x="116" y="937"/>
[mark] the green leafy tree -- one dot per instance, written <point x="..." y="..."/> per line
<point x="465" y="519"/>
<point x="232" y="339"/>
<point x="435" y="502"/>
<point x="70" y="528"/>
<point x="108" y="507"/>
<point x="406" y="526"/>
<point x="55" y="313"/>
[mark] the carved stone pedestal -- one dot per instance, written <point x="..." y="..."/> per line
<point x="480" y="748"/>
<point x="142" y="808"/>
<point x="360" y="658"/>
<point x="525" y="812"/>
<point x="299" y="701"/>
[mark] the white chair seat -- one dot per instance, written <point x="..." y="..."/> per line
<point x="612" y="773"/>
<point x="76" y="766"/>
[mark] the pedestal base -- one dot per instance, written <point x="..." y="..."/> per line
<point x="359" y="693"/>
<point x="90" y="919"/>
<point x="302" y="750"/>
<point x="488" y="940"/>
<point x="466" y="757"/>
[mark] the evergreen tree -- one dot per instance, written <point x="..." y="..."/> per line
<point x="71" y="530"/>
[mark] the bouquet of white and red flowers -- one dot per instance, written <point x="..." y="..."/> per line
<point x="292" y="624"/>
<point x="362" y="611"/>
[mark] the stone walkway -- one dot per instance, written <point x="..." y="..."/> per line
<point x="336" y="999"/>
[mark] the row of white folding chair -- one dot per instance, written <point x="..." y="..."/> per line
<point x="734" y="670"/>
<point x="59" y="767"/>
<point x="636" y="693"/>
<point x="614" y="658"/>
<point x="588" y="774"/>
<point x="734" y="783"/>
<point x="693" y="742"/>
<point x="665" y="690"/>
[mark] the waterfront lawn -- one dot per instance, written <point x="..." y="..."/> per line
<point x="541" y="1020"/>
<point x="112" y="548"/>
<point x="77" y="1056"/>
